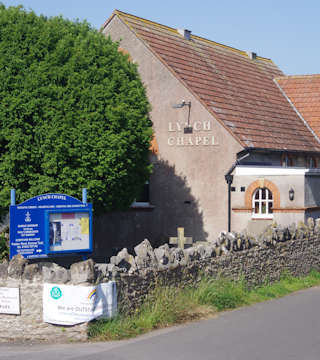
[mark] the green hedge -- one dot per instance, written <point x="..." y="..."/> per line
<point x="4" y="247"/>
<point x="73" y="111"/>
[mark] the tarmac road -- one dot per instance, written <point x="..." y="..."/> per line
<point x="283" y="329"/>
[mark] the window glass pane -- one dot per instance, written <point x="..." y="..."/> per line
<point x="144" y="194"/>
<point x="262" y="201"/>
<point x="256" y="207"/>
<point x="270" y="211"/>
<point x="312" y="163"/>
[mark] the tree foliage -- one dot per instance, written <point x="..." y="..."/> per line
<point x="73" y="112"/>
<point x="4" y="246"/>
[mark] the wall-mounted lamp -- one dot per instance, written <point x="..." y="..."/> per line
<point x="187" y="129"/>
<point x="291" y="194"/>
<point x="182" y="104"/>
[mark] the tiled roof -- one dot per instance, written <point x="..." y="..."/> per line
<point x="238" y="91"/>
<point x="304" y="92"/>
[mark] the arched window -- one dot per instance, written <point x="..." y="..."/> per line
<point x="262" y="203"/>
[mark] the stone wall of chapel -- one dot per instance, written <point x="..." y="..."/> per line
<point x="187" y="187"/>
<point x="286" y="211"/>
<point x="283" y="183"/>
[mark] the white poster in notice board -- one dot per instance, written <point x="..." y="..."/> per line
<point x="71" y="305"/>
<point x="69" y="231"/>
<point x="9" y="300"/>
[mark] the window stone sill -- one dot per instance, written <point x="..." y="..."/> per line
<point x="142" y="206"/>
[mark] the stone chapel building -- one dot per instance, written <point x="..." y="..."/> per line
<point x="230" y="149"/>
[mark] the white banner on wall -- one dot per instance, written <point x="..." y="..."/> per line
<point x="9" y="301"/>
<point x="71" y="305"/>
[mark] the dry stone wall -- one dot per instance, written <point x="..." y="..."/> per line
<point x="28" y="326"/>
<point x="295" y="249"/>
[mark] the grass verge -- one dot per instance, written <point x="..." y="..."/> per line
<point x="167" y="306"/>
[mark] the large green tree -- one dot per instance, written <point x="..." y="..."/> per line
<point x="73" y="112"/>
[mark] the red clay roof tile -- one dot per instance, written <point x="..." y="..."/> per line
<point x="239" y="92"/>
<point x="304" y="92"/>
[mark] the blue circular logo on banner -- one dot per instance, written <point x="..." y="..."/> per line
<point x="56" y="293"/>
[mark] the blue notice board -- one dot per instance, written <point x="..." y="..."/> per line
<point x="50" y="224"/>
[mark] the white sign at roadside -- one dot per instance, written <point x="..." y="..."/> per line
<point x="70" y="305"/>
<point x="9" y="300"/>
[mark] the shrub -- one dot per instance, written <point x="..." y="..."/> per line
<point x="4" y="247"/>
<point x="73" y="110"/>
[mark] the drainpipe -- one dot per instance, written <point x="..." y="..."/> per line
<point x="229" y="180"/>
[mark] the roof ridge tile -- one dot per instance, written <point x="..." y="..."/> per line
<point x="194" y="37"/>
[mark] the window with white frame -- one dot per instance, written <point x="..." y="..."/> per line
<point x="262" y="203"/>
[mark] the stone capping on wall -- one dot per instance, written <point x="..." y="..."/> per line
<point x="233" y="255"/>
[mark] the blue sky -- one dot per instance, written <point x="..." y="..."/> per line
<point x="286" y="31"/>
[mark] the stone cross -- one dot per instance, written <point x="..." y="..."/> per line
<point x="180" y="241"/>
